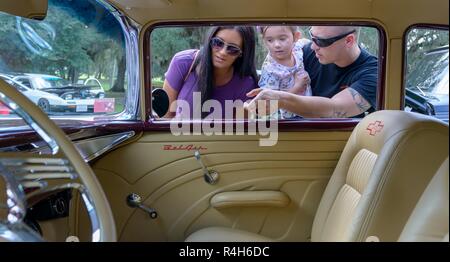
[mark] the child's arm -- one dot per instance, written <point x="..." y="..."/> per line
<point x="301" y="82"/>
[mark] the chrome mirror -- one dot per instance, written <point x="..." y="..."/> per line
<point x="160" y="102"/>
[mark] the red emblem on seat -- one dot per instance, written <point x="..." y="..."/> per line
<point x="375" y="127"/>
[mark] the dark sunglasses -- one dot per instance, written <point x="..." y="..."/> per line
<point x="218" y="44"/>
<point x="324" y="42"/>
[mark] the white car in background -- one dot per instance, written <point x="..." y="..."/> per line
<point x="96" y="87"/>
<point x="90" y="89"/>
<point x="48" y="102"/>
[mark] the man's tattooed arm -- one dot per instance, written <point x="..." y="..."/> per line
<point x="360" y="102"/>
<point x="339" y="114"/>
<point x="351" y="104"/>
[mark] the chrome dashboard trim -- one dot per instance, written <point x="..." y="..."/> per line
<point x="94" y="147"/>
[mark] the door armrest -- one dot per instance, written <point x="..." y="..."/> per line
<point x="250" y="199"/>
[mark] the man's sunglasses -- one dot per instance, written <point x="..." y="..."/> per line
<point x="218" y="44"/>
<point x="324" y="42"/>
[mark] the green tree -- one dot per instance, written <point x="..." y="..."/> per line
<point x="165" y="42"/>
<point x="75" y="46"/>
<point x="421" y="40"/>
<point x="368" y="39"/>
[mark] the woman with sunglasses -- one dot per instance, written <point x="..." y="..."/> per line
<point x="343" y="77"/>
<point x="223" y="69"/>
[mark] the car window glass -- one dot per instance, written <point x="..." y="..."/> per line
<point x="427" y="70"/>
<point x="54" y="58"/>
<point x="22" y="81"/>
<point x="167" y="42"/>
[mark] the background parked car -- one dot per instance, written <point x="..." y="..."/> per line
<point x="427" y="88"/>
<point x="95" y="87"/>
<point x="49" y="102"/>
<point x="62" y="87"/>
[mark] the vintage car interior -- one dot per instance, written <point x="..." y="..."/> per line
<point x="120" y="173"/>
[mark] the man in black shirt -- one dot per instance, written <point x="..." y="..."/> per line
<point x="343" y="77"/>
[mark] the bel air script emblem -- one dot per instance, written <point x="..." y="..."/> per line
<point x="375" y="127"/>
<point x="184" y="147"/>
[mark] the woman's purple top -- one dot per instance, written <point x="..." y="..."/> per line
<point x="235" y="89"/>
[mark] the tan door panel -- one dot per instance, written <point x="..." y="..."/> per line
<point x="162" y="169"/>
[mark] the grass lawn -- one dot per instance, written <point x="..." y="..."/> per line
<point x="157" y="82"/>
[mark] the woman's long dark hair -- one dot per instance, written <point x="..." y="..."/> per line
<point x="244" y="65"/>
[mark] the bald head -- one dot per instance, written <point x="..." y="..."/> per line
<point x="332" y="31"/>
<point x="342" y="51"/>
<point x="344" y="29"/>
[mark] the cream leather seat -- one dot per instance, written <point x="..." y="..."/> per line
<point x="379" y="177"/>
<point x="429" y="220"/>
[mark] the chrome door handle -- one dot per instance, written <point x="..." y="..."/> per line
<point x="211" y="177"/>
<point x="135" y="201"/>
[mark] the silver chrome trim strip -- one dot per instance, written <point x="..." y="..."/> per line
<point x="89" y="148"/>
<point x="95" y="147"/>
<point x="131" y="30"/>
